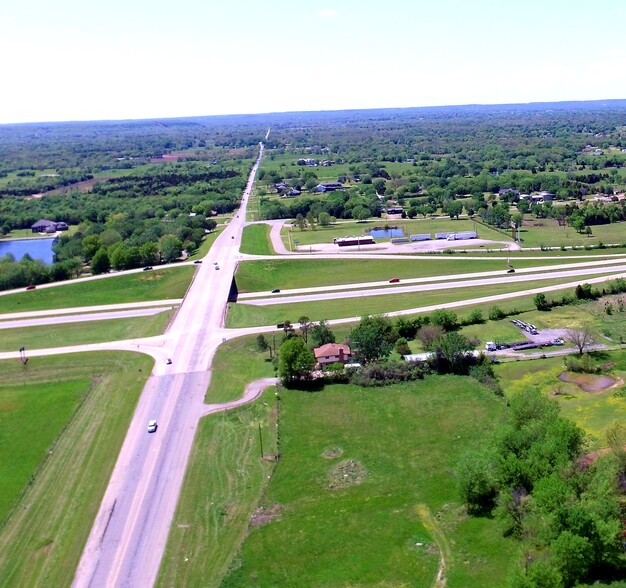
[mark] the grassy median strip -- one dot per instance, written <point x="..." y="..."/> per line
<point x="265" y="275"/>
<point x="256" y="240"/>
<point x="139" y="287"/>
<point x="246" y="315"/>
<point x="42" y="540"/>
<point x="61" y="335"/>
<point x="223" y="484"/>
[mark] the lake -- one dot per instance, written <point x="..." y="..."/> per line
<point x="36" y="248"/>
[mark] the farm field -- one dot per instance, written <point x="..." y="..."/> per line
<point x="265" y="275"/>
<point x="41" y="542"/>
<point x="246" y="315"/>
<point x="396" y="507"/>
<point x="154" y="285"/>
<point x="45" y="336"/>
<point x="593" y="411"/>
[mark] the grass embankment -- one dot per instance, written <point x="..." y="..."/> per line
<point x="139" y="287"/>
<point x="356" y="466"/>
<point x="592" y="411"/>
<point x="206" y="244"/>
<point x="223" y="484"/>
<point x="61" y="335"/>
<point x="236" y="363"/>
<point x="245" y="315"/>
<point x="42" y="540"/>
<point x="256" y="240"/>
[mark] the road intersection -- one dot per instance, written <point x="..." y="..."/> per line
<point x="128" y="537"/>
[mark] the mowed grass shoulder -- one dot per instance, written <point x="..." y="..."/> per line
<point x="256" y="240"/>
<point x="153" y="285"/>
<point x="236" y="363"/>
<point x="223" y="484"/>
<point x="62" y="335"/>
<point x="42" y="540"/>
<point x="359" y="469"/>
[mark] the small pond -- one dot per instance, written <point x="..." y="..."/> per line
<point x="386" y="233"/>
<point x="587" y="382"/>
<point x="36" y="248"/>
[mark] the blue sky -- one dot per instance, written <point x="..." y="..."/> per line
<point x="114" y="59"/>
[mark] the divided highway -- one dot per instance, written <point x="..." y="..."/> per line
<point x="128" y="538"/>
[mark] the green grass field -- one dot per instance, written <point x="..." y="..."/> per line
<point x="360" y="471"/>
<point x="70" y="463"/>
<point x="212" y="516"/>
<point x="538" y="232"/>
<point x="82" y="333"/>
<point x="256" y="240"/>
<point x="139" y="287"/>
<point x="246" y="315"/>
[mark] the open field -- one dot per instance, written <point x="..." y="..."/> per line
<point x="592" y="411"/>
<point x="265" y="275"/>
<point x="246" y="315"/>
<point x="154" y="285"/>
<point x="32" y="416"/>
<point x="410" y="227"/>
<point x="41" y="542"/>
<point x="369" y="526"/>
<point x="537" y="232"/>
<point x="236" y="363"/>
<point x="212" y="516"/>
<point x="82" y="333"/>
<point x="256" y="240"/>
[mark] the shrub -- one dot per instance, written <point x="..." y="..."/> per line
<point x="392" y="372"/>
<point x="582" y="365"/>
<point x="496" y="313"/>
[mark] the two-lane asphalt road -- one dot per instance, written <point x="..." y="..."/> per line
<point x="128" y="538"/>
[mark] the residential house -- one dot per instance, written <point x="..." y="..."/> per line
<point x="328" y="187"/>
<point x="332" y="353"/>
<point x="47" y="226"/>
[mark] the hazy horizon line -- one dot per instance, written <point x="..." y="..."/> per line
<point x="326" y="110"/>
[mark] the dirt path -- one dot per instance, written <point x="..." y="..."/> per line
<point x="445" y="553"/>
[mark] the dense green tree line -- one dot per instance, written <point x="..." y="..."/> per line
<point x="567" y="517"/>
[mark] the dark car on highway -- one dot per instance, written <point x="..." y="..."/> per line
<point x="394" y="280"/>
<point x="31" y="287"/>
<point x="275" y="290"/>
<point x="148" y="267"/>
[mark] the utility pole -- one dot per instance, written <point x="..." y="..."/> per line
<point x="261" y="440"/>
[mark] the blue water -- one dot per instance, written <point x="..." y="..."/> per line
<point x="386" y="233"/>
<point x="36" y="248"/>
